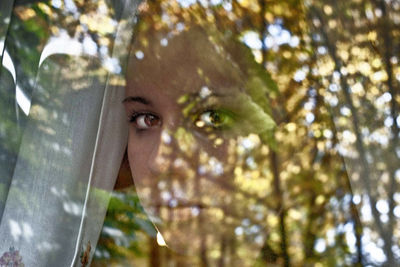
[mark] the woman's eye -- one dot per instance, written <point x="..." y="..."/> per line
<point x="214" y="118"/>
<point x="143" y="121"/>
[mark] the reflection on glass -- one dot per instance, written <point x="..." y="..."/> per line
<point x="232" y="167"/>
<point x="198" y="143"/>
<point x="232" y="170"/>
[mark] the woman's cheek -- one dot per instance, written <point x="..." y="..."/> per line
<point x="136" y="155"/>
<point x="141" y="148"/>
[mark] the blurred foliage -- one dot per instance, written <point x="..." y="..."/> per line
<point x="124" y="227"/>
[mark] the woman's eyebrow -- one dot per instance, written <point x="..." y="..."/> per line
<point x="138" y="99"/>
<point x="210" y="94"/>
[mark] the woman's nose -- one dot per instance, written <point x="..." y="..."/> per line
<point x="161" y="158"/>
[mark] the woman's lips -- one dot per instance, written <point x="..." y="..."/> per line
<point x="178" y="204"/>
<point x="178" y="211"/>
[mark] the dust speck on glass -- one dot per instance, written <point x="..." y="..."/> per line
<point x="11" y="258"/>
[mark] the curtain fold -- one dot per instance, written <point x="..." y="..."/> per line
<point x="10" y="128"/>
<point x="5" y="18"/>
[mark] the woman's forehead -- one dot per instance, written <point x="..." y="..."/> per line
<point x="182" y="64"/>
<point x="154" y="87"/>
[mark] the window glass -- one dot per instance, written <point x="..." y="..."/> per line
<point x="199" y="133"/>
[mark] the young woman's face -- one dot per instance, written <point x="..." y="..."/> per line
<point x="189" y="134"/>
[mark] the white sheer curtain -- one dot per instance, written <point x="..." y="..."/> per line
<point x="69" y="153"/>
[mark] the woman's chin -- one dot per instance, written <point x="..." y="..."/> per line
<point x="188" y="240"/>
<point x="195" y="233"/>
<point x="185" y="230"/>
<point x="191" y="228"/>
